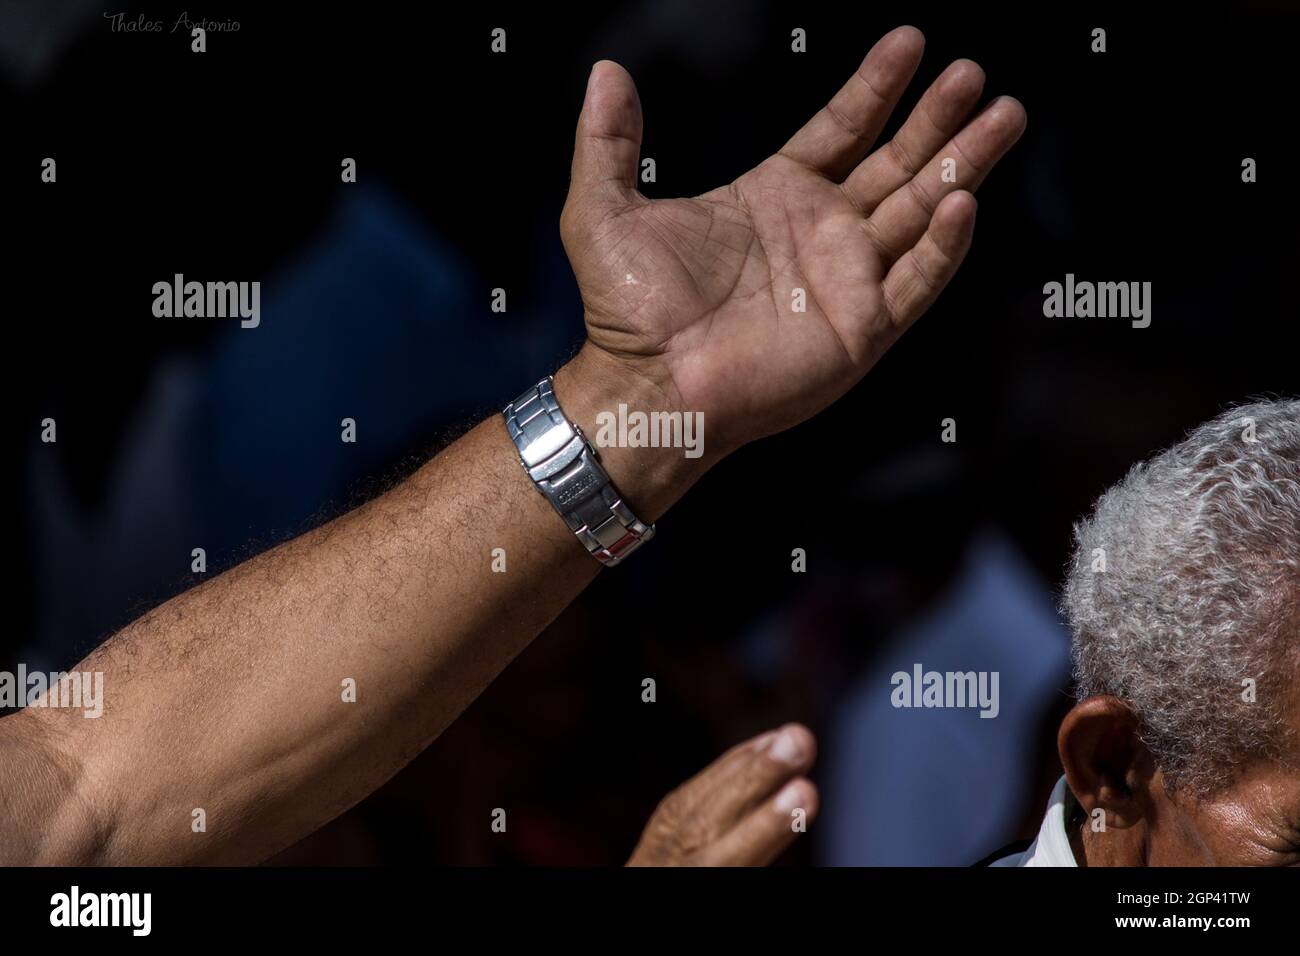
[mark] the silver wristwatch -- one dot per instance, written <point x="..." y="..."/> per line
<point x="566" y="469"/>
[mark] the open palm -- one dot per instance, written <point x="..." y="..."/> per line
<point x="761" y="302"/>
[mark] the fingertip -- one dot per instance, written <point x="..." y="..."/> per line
<point x="1011" y="102"/>
<point x="958" y="205"/>
<point x="907" y="33"/>
<point x="611" y="105"/>
<point x="812" y="799"/>
<point x="798" y="794"/>
<point x="963" y="76"/>
<point x="605" y="66"/>
<point x="1024" y="113"/>
<point x="900" y="49"/>
<point x="1010" y="112"/>
<point x="794" y="745"/>
<point x="959" y="221"/>
<point x="810" y="739"/>
<point x="607" y="75"/>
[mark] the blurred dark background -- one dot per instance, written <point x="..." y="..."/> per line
<point x="175" y="434"/>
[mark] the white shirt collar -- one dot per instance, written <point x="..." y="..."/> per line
<point x="1052" y="845"/>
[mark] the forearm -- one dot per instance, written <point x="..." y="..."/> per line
<point x="754" y="306"/>
<point x="229" y="697"/>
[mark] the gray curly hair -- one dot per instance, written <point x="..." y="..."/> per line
<point x="1201" y="590"/>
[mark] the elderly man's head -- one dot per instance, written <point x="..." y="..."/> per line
<point x="1184" y="601"/>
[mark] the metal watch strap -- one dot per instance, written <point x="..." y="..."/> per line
<point x="566" y="469"/>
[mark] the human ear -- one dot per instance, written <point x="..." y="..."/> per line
<point x="1106" y="763"/>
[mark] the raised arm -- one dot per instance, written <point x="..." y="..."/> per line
<point x="229" y="697"/>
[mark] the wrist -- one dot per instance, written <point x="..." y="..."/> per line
<point x="652" y="449"/>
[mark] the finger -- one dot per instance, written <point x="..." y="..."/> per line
<point x="917" y="278"/>
<point x="834" y="140"/>
<point x="902" y="218"/>
<point x="708" y="806"/>
<point x="743" y="785"/>
<point x="766" y="831"/>
<point x="746" y="775"/>
<point x="937" y="118"/>
<point x="607" y="145"/>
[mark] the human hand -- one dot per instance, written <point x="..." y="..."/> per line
<point x="741" y="810"/>
<point x="692" y="300"/>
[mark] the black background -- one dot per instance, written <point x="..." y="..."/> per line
<point x="226" y="164"/>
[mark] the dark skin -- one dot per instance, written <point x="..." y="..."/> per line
<point x="755" y="305"/>
<point x="742" y="810"/>
<point x="1253" y="820"/>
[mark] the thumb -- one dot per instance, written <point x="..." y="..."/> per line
<point x="608" y="142"/>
